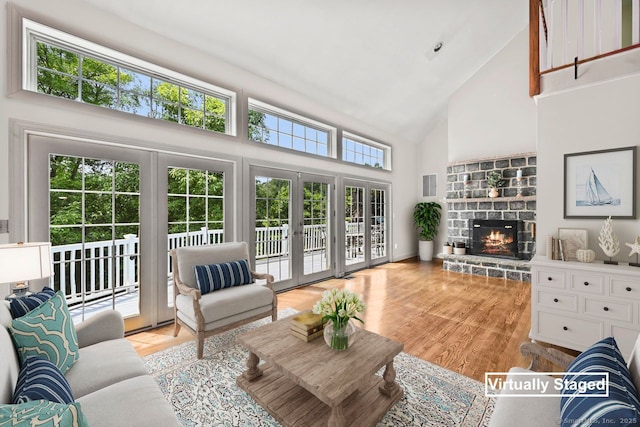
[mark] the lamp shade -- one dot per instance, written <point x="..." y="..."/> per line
<point x="20" y="262"/>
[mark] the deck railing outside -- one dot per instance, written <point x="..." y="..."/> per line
<point x="111" y="266"/>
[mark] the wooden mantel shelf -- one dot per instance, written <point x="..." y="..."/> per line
<point x="493" y="199"/>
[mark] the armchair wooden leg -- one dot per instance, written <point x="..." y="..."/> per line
<point x="200" y="339"/>
<point x="176" y="330"/>
<point x="274" y="314"/>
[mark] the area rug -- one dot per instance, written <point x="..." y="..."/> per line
<point x="204" y="392"/>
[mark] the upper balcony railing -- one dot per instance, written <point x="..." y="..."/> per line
<point x="567" y="33"/>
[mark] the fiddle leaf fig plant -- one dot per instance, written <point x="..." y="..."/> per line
<point x="426" y="216"/>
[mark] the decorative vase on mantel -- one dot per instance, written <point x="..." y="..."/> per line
<point x="494" y="180"/>
<point x="339" y="336"/>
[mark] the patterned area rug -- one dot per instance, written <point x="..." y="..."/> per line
<point x="204" y="392"/>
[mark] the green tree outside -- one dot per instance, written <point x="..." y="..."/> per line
<point x="71" y="75"/>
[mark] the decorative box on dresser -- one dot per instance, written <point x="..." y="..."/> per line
<point x="575" y="304"/>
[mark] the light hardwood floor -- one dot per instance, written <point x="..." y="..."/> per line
<point x="468" y="324"/>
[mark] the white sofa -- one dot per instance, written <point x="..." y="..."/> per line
<point x="539" y="411"/>
<point x="109" y="379"/>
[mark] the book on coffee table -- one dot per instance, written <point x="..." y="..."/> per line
<point x="307" y="320"/>
<point x="307" y="325"/>
<point x="305" y="337"/>
<point x="306" y="331"/>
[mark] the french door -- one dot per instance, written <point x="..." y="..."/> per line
<point x="113" y="214"/>
<point x="195" y="210"/>
<point x="93" y="203"/>
<point x="365" y="233"/>
<point x="291" y="225"/>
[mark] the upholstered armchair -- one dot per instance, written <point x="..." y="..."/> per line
<point x="205" y="302"/>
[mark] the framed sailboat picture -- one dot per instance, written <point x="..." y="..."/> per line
<point x="600" y="184"/>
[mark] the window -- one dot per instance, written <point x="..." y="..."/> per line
<point x="274" y="126"/>
<point x="65" y="66"/>
<point x="365" y="152"/>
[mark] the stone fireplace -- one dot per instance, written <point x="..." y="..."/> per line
<point x="506" y="252"/>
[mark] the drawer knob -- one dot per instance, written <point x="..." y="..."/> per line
<point x="606" y="308"/>
<point x="555" y="300"/>
<point x="586" y="283"/>
<point x="549" y="278"/>
<point x="565" y="328"/>
<point x="628" y="289"/>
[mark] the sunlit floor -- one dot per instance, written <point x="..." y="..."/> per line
<point x="468" y="324"/>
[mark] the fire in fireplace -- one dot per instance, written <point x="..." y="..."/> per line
<point x="496" y="238"/>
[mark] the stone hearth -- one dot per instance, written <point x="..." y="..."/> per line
<point x="488" y="266"/>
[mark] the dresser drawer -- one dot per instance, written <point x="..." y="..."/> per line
<point x="549" y="277"/>
<point x="557" y="300"/>
<point x="609" y="309"/>
<point x="590" y="283"/>
<point x="624" y="288"/>
<point x="567" y="331"/>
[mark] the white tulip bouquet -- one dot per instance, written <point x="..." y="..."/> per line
<point x="338" y="306"/>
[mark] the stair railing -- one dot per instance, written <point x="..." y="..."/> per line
<point x="567" y="33"/>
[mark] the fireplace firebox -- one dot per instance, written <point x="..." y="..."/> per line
<point x="494" y="238"/>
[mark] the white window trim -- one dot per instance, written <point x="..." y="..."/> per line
<point x="386" y="149"/>
<point x="332" y="132"/>
<point x="32" y="32"/>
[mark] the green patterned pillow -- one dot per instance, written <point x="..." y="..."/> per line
<point x="47" y="331"/>
<point x="42" y="413"/>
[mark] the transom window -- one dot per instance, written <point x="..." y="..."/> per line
<point x="365" y="152"/>
<point x="274" y="126"/>
<point x="65" y="66"/>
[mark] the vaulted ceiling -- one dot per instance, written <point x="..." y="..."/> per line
<point x="372" y="60"/>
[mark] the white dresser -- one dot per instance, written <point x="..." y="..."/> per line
<point x="575" y="304"/>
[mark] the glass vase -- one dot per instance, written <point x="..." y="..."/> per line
<point x="340" y="335"/>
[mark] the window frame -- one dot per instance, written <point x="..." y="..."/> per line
<point x="280" y="113"/>
<point x="386" y="150"/>
<point x="34" y="32"/>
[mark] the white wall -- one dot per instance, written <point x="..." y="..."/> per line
<point x="432" y="159"/>
<point x="82" y="20"/>
<point x="491" y="114"/>
<point x="591" y="118"/>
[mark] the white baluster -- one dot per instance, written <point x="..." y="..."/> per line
<point x="130" y="260"/>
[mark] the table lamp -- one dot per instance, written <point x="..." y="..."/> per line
<point x="20" y="262"/>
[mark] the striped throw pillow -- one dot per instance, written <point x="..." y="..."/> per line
<point x="41" y="379"/>
<point x="23" y="305"/>
<point x="214" y="277"/>
<point x="621" y="408"/>
<point x="42" y="413"/>
<point x="47" y="331"/>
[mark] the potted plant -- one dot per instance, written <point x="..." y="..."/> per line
<point x="426" y="216"/>
<point x="494" y="180"/>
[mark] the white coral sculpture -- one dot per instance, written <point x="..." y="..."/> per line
<point x="608" y="241"/>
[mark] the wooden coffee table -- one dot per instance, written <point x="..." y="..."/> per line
<point x="309" y="384"/>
